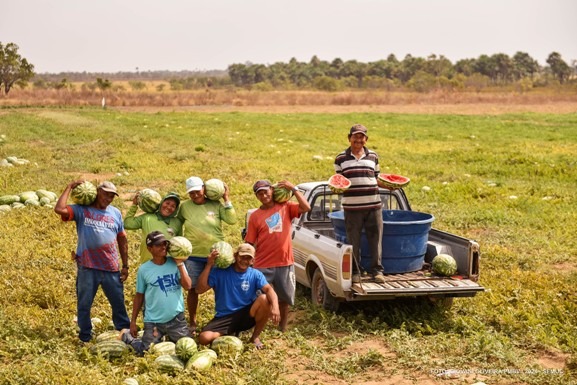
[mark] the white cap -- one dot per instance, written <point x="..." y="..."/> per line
<point x="194" y="183"/>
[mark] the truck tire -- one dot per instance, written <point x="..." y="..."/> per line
<point x="320" y="294"/>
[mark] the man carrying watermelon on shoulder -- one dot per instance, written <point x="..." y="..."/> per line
<point x="159" y="284"/>
<point x="101" y="238"/>
<point x="361" y="202"/>
<point x="269" y="231"/>
<point x="243" y="298"/>
<point x="164" y="220"/>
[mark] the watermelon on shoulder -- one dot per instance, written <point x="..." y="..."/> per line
<point x="149" y="200"/>
<point x="179" y="247"/>
<point x="280" y="194"/>
<point x="225" y="254"/>
<point x="214" y="189"/>
<point x="83" y="194"/>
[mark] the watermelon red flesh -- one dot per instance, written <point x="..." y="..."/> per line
<point x="394" y="181"/>
<point x="338" y="183"/>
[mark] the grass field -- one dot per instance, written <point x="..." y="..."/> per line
<point x="507" y="181"/>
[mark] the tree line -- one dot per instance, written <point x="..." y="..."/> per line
<point x="415" y="73"/>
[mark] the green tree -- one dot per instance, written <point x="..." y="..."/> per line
<point x="525" y="65"/>
<point x="559" y="68"/>
<point x="103" y="84"/>
<point x="14" y="69"/>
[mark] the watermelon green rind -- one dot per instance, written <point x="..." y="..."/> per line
<point x="225" y="254"/>
<point x="9" y="199"/>
<point x="109" y="335"/>
<point x="110" y="349"/>
<point x="130" y="381"/>
<point x="185" y="348"/>
<point x="5" y="208"/>
<point x="214" y="189"/>
<point x="339" y="183"/>
<point x="444" y="264"/>
<point x="201" y="360"/>
<point x="83" y="194"/>
<point x="166" y="347"/>
<point x="149" y="200"/>
<point x="280" y="194"/>
<point x="227" y="346"/>
<point x="169" y="363"/>
<point x="393" y="181"/>
<point x="179" y="247"/>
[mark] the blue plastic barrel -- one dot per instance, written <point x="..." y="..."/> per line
<point x="404" y="243"/>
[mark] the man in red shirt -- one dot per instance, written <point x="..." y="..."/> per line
<point x="269" y="231"/>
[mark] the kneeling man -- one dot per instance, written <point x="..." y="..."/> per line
<point x="242" y="296"/>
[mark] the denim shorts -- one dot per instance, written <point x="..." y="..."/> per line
<point x="194" y="266"/>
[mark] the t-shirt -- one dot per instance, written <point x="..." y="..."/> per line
<point x="363" y="194"/>
<point x="233" y="290"/>
<point x="97" y="231"/>
<point x="160" y="284"/>
<point x="203" y="224"/>
<point x="269" y="230"/>
<point x="150" y="222"/>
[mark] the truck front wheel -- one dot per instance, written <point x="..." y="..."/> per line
<point x="320" y="294"/>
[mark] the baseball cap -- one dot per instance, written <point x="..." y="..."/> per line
<point x="108" y="187"/>
<point x="194" y="183"/>
<point x="260" y="185"/>
<point x="358" y="129"/>
<point x="245" y="249"/>
<point x="155" y="238"/>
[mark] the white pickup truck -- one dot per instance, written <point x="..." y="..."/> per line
<point x="324" y="264"/>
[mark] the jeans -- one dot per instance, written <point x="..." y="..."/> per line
<point x="87" y="283"/>
<point x="372" y="222"/>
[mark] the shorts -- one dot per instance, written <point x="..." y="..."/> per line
<point x="194" y="266"/>
<point x="232" y="324"/>
<point x="283" y="280"/>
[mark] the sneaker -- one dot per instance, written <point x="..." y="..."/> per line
<point x="356" y="278"/>
<point x="379" y="277"/>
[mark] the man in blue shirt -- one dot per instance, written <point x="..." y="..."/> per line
<point x="159" y="284"/>
<point x="242" y="296"/>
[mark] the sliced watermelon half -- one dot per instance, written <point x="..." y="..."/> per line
<point x="393" y="181"/>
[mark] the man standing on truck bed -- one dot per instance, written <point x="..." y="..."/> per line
<point x="269" y="231"/>
<point x="361" y="201"/>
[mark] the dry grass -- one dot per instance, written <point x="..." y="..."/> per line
<point x="441" y="102"/>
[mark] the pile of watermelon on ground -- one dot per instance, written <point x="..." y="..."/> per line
<point x="39" y="197"/>
<point x="172" y="357"/>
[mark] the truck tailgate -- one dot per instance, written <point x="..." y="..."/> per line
<point x="416" y="284"/>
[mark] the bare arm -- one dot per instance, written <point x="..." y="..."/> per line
<point x="185" y="280"/>
<point x="202" y="284"/>
<point x="273" y="301"/>
<point x="136" y="306"/>
<point x="123" y="249"/>
<point x="304" y="206"/>
<point x="61" y="204"/>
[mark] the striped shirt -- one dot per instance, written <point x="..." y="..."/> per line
<point x="364" y="191"/>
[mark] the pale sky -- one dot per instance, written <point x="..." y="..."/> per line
<point x="121" y="35"/>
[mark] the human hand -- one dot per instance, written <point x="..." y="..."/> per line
<point x="133" y="329"/>
<point x="135" y="199"/>
<point x="212" y="257"/>
<point x="275" y="315"/>
<point x="123" y="275"/>
<point x="286" y="184"/>
<point x="225" y="196"/>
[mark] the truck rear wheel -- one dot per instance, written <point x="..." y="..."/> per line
<point x="320" y="294"/>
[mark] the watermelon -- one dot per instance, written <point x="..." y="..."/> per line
<point x="110" y="335"/>
<point x="5" y="208"/>
<point x="392" y="181"/>
<point x="185" y="348"/>
<point x="201" y="360"/>
<point x="281" y="194"/>
<point x="149" y="200"/>
<point x="26" y="195"/>
<point x="444" y="264"/>
<point x="179" y="247"/>
<point x="214" y="189"/>
<point x="9" y="199"/>
<point x="130" y="381"/>
<point x="83" y="194"/>
<point x="47" y="194"/>
<point x="167" y="347"/>
<point x="110" y="349"/>
<point x="44" y="201"/>
<point x="225" y="254"/>
<point x="339" y="184"/>
<point x="32" y="202"/>
<point x="169" y="363"/>
<point x="227" y="346"/>
<point x="18" y="205"/>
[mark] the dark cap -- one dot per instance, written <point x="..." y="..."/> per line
<point x="155" y="238"/>
<point x="261" y="184"/>
<point x="172" y="195"/>
<point x="358" y="129"/>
